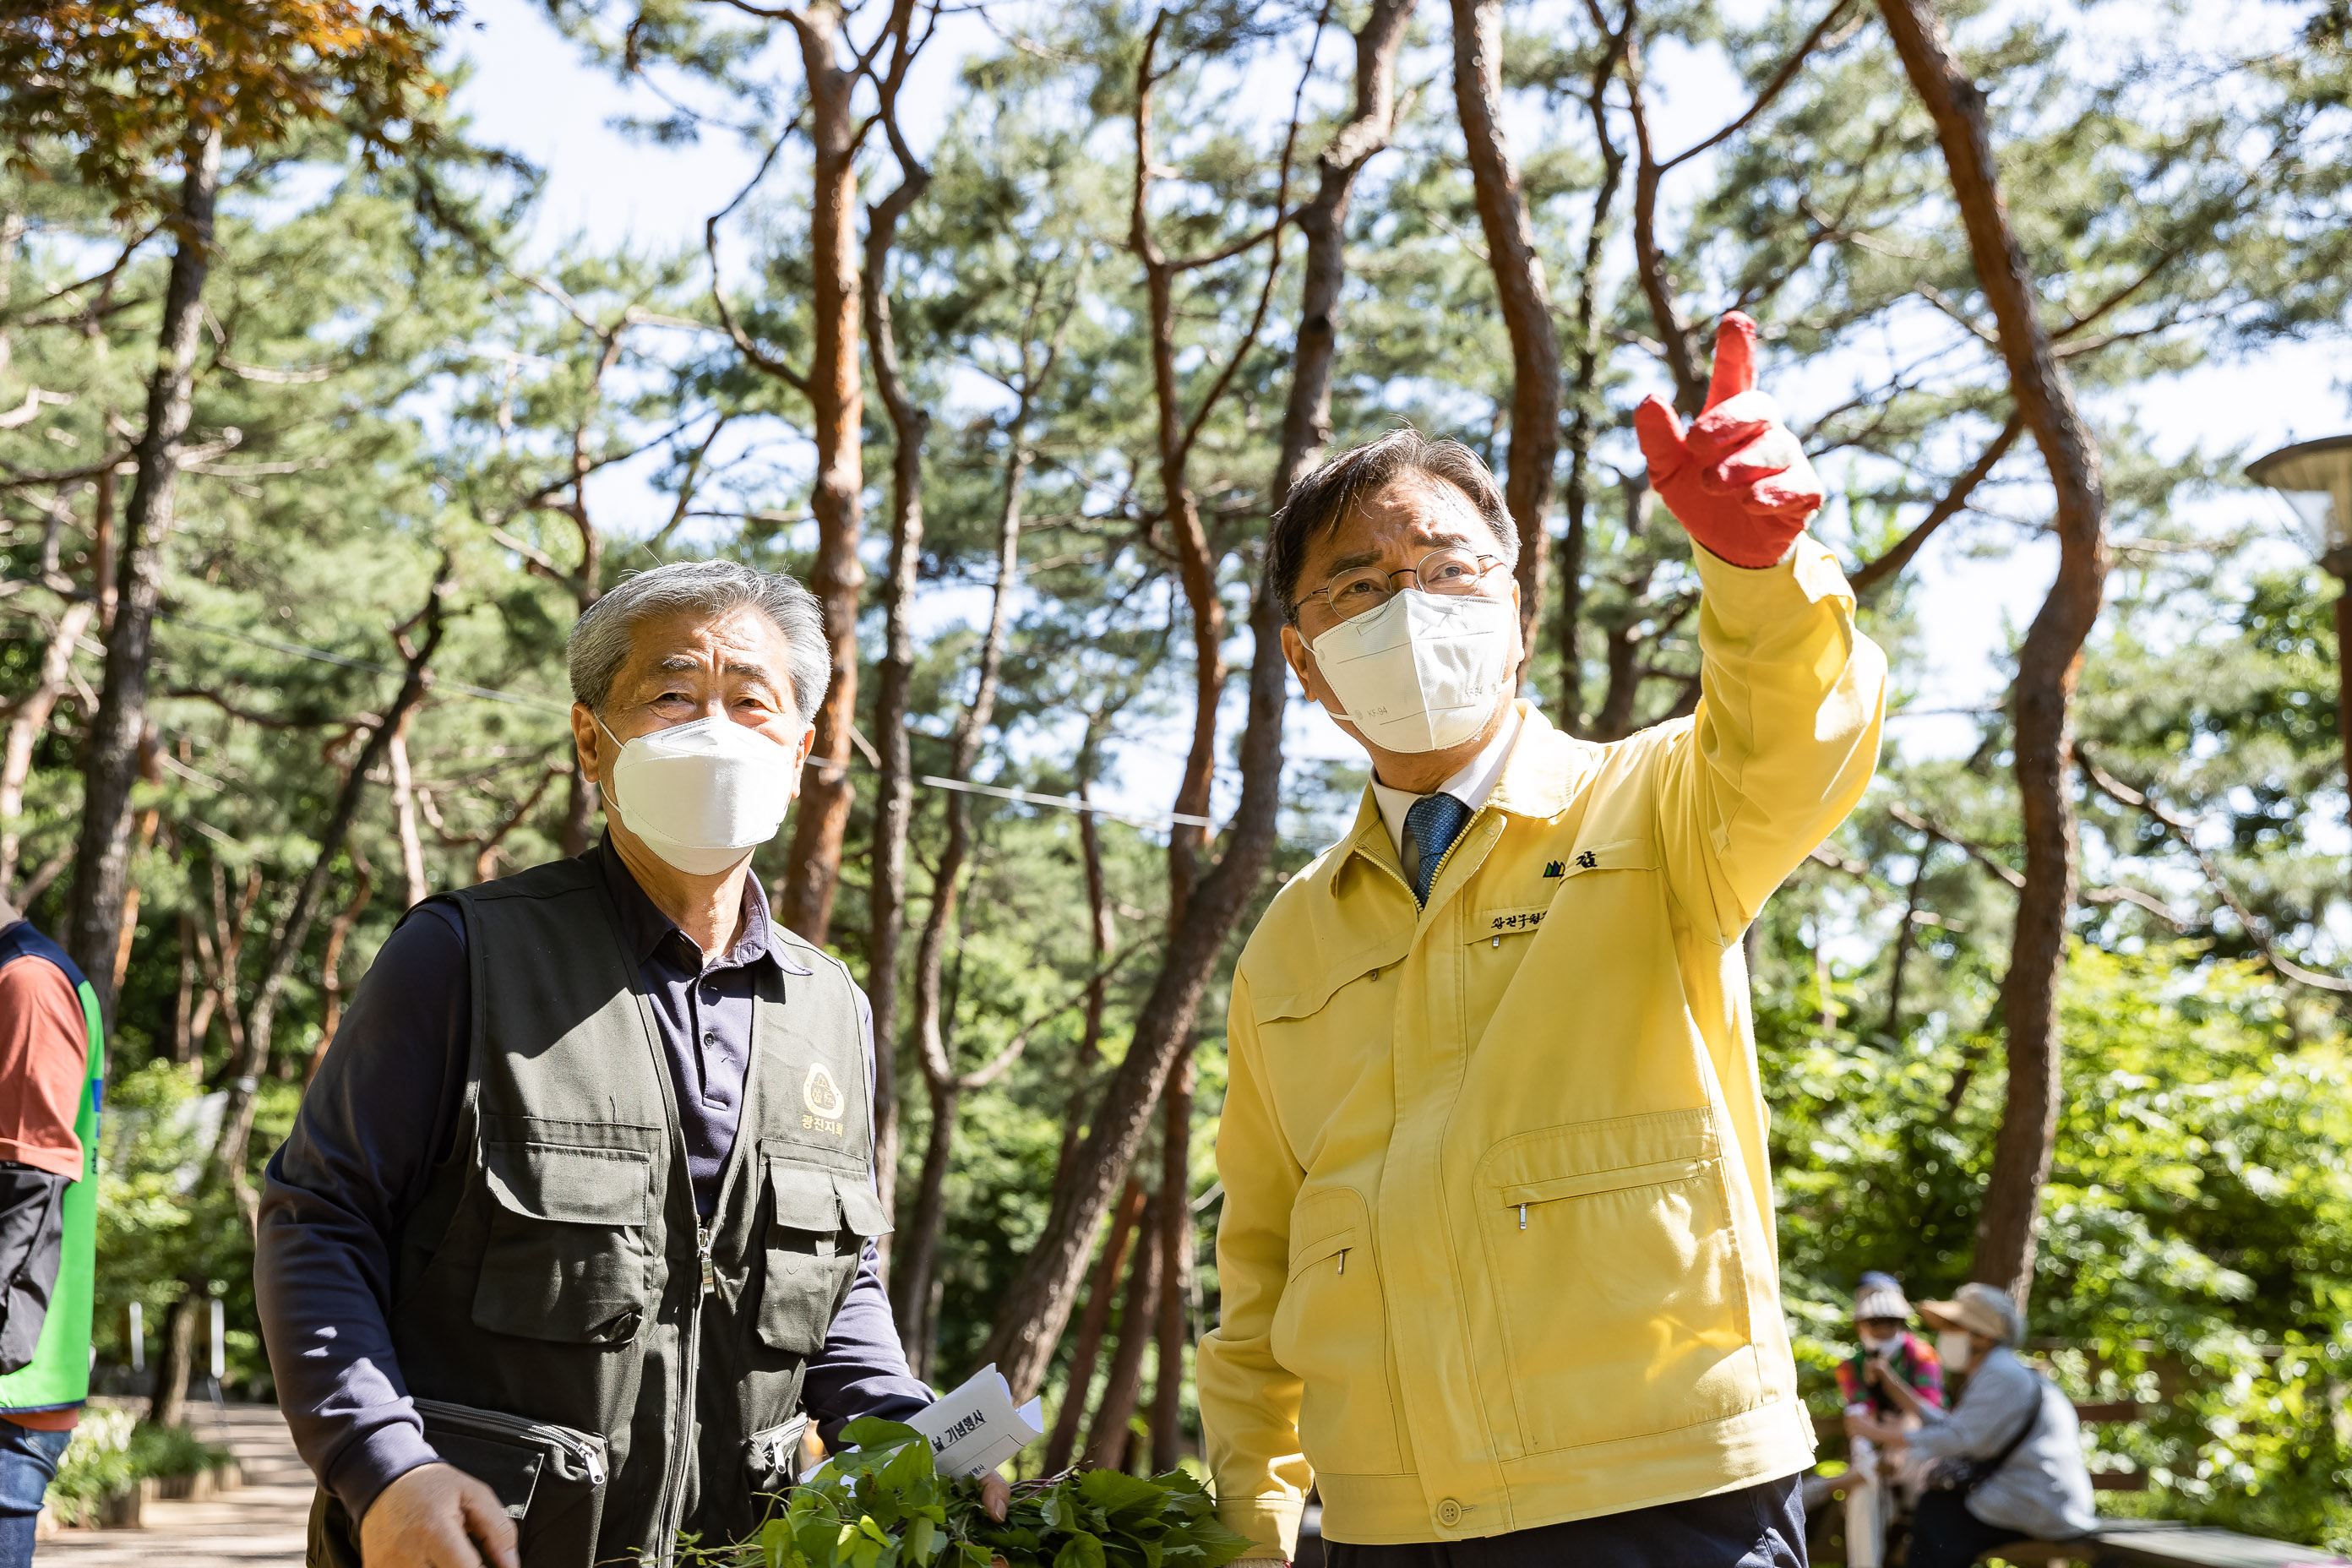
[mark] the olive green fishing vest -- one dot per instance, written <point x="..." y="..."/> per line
<point x="555" y="1269"/>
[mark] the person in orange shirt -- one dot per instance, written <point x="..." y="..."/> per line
<point x="50" y="1062"/>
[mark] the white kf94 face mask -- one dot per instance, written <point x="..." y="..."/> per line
<point x="702" y="796"/>
<point x="1423" y="671"/>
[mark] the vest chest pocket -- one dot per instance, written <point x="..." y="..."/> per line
<point x="819" y="1222"/>
<point x="566" y="1255"/>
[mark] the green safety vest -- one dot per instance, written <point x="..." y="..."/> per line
<point x="58" y="1373"/>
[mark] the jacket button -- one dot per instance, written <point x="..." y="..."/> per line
<point x="1449" y="1513"/>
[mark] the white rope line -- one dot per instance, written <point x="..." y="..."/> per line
<point x="1067" y="803"/>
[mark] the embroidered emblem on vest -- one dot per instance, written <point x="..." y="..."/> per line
<point x="823" y="1097"/>
<point x="1588" y="861"/>
<point x="1554" y="869"/>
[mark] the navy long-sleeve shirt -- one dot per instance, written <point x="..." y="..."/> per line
<point x="384" y="1111"/>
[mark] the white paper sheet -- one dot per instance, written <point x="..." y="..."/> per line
<point x="978" y="1427"/>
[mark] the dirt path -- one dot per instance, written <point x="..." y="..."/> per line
<point x="262" y="1522"/>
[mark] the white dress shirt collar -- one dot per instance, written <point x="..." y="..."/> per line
<point x="1471" y="785"/>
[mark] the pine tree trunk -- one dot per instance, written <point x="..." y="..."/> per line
<point x="102" y="860"/>
<point x="1586" y="407"/>
<point x="1092" y="1325"/>
<point x="918" y="1265"/>
<point x="1108" y="1440"/>
<point x="1519" y="290"/>
<point x="28" y="721"/>
<point x="1175" y="1307"/>
<point x="894" y="792"/>
<point x="933" y="1027"/>
<point x="168" y="1405"/>
<point x="578" y="813"/>
<point x="2047" y="660"/>
<point x="403" y="815"/>
<point x="838" y="414"/>
<point x="1100" y="934"/>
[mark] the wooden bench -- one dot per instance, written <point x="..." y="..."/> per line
<point x="2158" y="1543"/>
<point x="2121" y="1543"/>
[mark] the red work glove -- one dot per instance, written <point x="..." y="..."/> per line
<point x="1738" y="482"/>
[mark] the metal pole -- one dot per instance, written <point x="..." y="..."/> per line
<point x="220" y="1360"/>
<point x="2338" y="561"/>
<point x="137" y="1338"/>
<point x="2339" y="565"/>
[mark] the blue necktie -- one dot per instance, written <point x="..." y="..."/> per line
<point x="1431" y="827"/>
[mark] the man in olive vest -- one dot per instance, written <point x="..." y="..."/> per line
<point x="52" y="1063"/>
<point x="574" y="1232"/>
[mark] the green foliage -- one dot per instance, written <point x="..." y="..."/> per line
<point x="881" y="1504"/>
<point x="2198" y="1227"/>
<point x="112" y="1451"/>
<point x="168" y="1451"/>
<point x="96" y="1465"/>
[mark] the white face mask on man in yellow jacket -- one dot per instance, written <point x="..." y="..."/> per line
<point x="1496" y="1249"/>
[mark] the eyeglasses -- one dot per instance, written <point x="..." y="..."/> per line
<point x="1361" y="592"/>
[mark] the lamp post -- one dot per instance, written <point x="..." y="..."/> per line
<point x="2316" y="478"/>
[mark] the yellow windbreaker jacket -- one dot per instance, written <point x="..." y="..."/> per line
<point x="1498" y="1246"/>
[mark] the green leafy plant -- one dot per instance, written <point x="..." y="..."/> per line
<point x="96" y="1465"/>
<point x="167" y="1451"/>
<point x="881" y="1504"/>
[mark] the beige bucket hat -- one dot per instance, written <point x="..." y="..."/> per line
<point x="1984" y="1309"/>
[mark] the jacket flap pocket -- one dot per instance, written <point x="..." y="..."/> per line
<point x="1299" y="992"/>
<point x="1617" y="855"/>
<point x="861" y="1210"/>
<point x="1586" y="1157"/>
<point x="1327" y="1222"/>
<point x="804" y="1196"/>
<point x="573" y="1184"/>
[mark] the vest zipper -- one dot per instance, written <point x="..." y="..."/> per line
<point x="690" y="1373"/>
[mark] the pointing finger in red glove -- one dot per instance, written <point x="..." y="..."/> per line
<point x="1738" y="480"/>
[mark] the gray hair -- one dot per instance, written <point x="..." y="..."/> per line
<point x="599" y="641"/>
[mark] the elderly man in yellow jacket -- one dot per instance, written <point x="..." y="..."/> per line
<point x="1497" y="1257"/>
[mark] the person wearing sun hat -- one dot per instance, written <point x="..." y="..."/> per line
<point x="1889" y="1352"/>
<point x="2029" y="1481"/>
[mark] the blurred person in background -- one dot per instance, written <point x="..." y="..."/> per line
<point x="1888" y="1352"/>
<point x="52" y="1071"/>
<point x="2005" y="1463"/>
